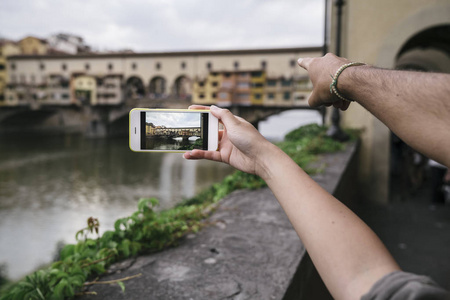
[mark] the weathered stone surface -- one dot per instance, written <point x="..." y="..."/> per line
<point x="250" y="252"/>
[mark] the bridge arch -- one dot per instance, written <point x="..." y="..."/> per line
<point x="134" y="88"/>
<point x="157" y="87"/>
<point x="182" y="87"/>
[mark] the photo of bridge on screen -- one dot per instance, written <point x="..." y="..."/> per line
<point x="174" y="130"/>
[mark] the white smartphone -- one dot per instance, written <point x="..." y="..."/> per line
<point x="173" y="130"/>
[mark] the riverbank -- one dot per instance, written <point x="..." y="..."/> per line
<point x="146" y="230"/>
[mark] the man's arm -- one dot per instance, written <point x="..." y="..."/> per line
<point x="414" y="105"/>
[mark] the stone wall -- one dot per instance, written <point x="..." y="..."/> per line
<point x="249" y="251"/>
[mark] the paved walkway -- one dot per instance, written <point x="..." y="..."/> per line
<point x="415" y="232"/>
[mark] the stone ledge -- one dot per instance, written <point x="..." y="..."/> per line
<point x="251" y="252"/>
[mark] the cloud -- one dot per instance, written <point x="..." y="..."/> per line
<point x="173" y="120"/>
<point x="168" y="24"/>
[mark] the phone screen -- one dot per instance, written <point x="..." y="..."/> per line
<point x="174" y="130"/>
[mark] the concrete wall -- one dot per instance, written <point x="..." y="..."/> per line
<point x="374" y="32"/>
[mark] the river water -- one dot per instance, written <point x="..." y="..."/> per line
<point x="50" y="186"/>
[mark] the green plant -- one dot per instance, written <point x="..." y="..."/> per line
<point x="147" y="230"/>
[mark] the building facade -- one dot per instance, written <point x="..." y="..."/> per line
<point x="7" y="48"/>
<point x="238" y="77"/>
<point x="411" y="34"/>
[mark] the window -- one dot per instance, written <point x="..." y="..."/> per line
<point x="214" y="95"/>
<point x="2" y="66"/>
<point x="263" y="64"/>
<point x="42" y="67"/>
<point x="65" y="96"/>
<point x="236" y="65"/>
<point x="243" y="85"/>
<point x="215" y="84"/>
<point x="183" y="65"/>
<point x="287" y="96"/>
<point x="286" y="82"/>
<point x="258" y="96"/>
<point x="158" y="66"/>
<point x="13" y="66"/>
<point x="110" y="67"/>
<point x="271" y="96"/>
<point x="64" y="67"/>
<point x="134" y="66"/>
<point x="272" y="82"/>
<point x="292" y="62"/>
<point x="256" y="74"/>
<point x="209" y="65"/>
<point x="242" y="96"/>
<point x="87" y="67"/>
<point x="201" y="96"/>
<point x="223" y="95"/>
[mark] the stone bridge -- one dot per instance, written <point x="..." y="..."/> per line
<point x="105" y="120"/>
<point x="175" y="132"/>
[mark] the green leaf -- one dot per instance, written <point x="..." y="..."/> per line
<point x="40" y="294"/>
<point x="122" y="286"/>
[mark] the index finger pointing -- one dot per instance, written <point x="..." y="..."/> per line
<point x="304" y="62"/>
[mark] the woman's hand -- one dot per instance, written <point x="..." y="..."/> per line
<point x="240" y="144"/>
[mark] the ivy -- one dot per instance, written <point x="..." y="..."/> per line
<point x="147" y="230"/>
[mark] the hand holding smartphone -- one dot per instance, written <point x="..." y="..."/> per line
<point x="180" y="130"/>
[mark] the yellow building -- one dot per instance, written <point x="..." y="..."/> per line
<point x="389" y="34"/>
<point x="84" y="90"/>
<point x="257" y="83"/>
<point x="7" y="48"/>
<point x="33" y="46"/>
<point x="206" y="91"/>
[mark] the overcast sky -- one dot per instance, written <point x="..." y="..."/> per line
<point x="169" y="25"/>
<point x="177" y="119"/>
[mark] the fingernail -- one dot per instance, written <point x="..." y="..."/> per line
<point x="213" y="107"/>
<point x="299" y="61"/>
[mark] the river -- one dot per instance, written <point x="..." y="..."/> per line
<point x="50" y="186"/>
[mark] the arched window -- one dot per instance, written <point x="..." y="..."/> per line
<point x="183" y="87"/>
<point x="134" y="88"/>
<point x="157" y="87"/>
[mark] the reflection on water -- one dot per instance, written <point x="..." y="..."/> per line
<point x="169" y="143"/>
<point x="50" y="186"/>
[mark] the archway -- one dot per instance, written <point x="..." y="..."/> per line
<point x="428" y="51"/>
<point x="134" y="88"/>
<point x="157" y="87"/>
<point x="432" y="16"/>
<point x="182" y="87"/>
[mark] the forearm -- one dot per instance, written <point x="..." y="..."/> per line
<point x="411" y="104"/>
<point x="347" y="254"/>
